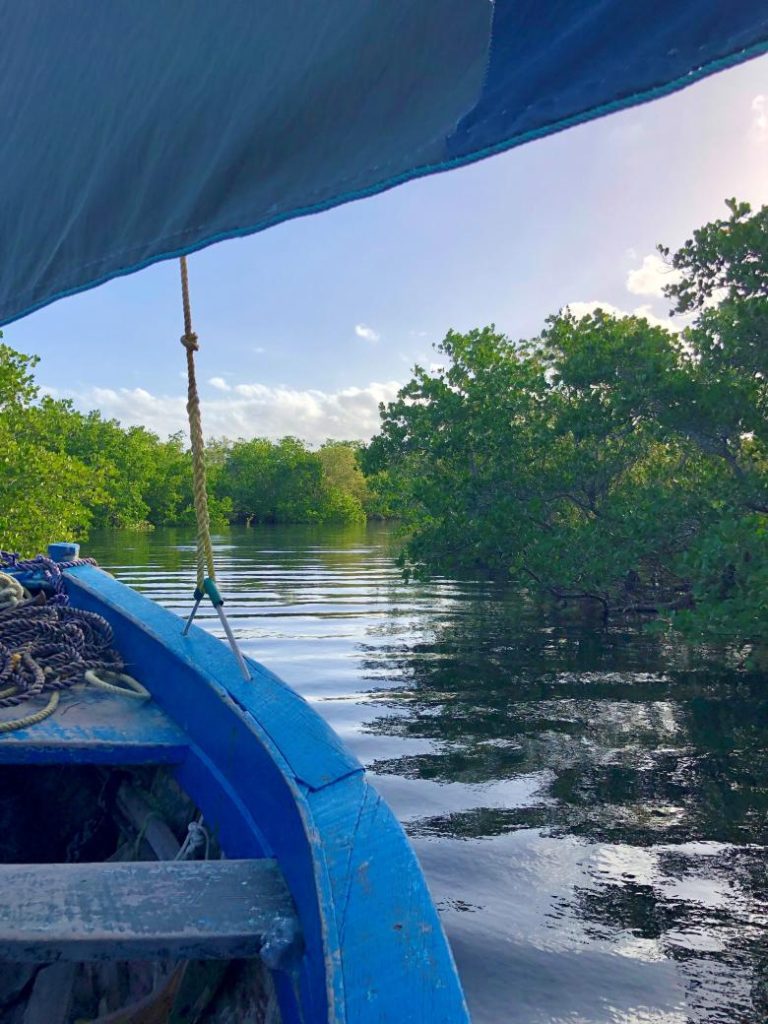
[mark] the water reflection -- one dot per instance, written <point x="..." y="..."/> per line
<point x="624" y="744"/>
<point x="589" y="805"/>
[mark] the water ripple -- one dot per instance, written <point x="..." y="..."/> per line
<point x="590" y="806"/>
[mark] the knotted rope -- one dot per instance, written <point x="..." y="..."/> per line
<point x="196" y="839"/>
<point x="202" y="517"/>
<point x="11" y="591"/>
<point x="206" y="584"/>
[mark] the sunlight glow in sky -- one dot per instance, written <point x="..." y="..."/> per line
<point x="305" y="328"/>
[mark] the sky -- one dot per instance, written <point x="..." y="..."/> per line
<point x="306" y="327"/>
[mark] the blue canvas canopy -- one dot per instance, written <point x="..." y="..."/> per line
<point x="135" y="131"/>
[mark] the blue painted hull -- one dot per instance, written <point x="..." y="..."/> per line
<point x="273" y="780"/>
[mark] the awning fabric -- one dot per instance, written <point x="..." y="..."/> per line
<point x="136" y="130"/>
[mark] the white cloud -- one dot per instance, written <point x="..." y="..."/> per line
<point x="759" y="128"/>
<point x="251" y="410"/>
<point x="582" y="309"/>
<point x="654" y="320"/>
<point x="651" y="277"/>
<point x="219" y="383"/>
<point x="367" y="333"/>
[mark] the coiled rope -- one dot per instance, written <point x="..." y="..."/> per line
<point x="48" y="647"/>
<point x="44" y="570"/>
<point x="11" y="591"/>
<point x="128" y="686"/>
<point x="29" y="720"/>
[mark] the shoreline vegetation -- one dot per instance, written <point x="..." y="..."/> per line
<point x="609" y="461"/>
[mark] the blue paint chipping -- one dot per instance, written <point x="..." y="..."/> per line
<point x="93" y="727"/>
<point x="273" y="780"/>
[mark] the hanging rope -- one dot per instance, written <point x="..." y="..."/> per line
<point x="206" y="584"/>
<point x="202" y="517"/>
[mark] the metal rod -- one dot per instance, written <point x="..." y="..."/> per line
<point x="192" y="614"/>
<point x="233" y="643"/>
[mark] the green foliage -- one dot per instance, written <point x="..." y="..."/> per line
<point x="606" y="459"/>
<point x="63" y="471"/>
<point x="345" y="486"/>
<point x="17" y="382"/>
<point x="728" y="567"/>
<point x="41" y="495"/>
<point x="284" y="482"/>
<point x="40" y="490"/>
<point x="725" y="259"/>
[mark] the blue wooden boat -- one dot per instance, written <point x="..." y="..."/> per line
<point x="349" y="933"/>
<point x="140" y="132"/>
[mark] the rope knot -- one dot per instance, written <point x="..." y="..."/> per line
<point x="189" y="341"/>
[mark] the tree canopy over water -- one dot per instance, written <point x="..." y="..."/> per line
<point x="63" y="471"/>
<point x="608" y="459"/>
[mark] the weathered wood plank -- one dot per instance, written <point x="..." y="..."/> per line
<point x="153" y="1008"/>
<point x="51" y="995"/>
<point x="93" y="727"/>
<point x="156" y="833"/>
<point x="14" y="978"/>
<point x="144" y="910"/>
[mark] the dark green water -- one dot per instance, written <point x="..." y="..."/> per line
<point x="590" y="806"/>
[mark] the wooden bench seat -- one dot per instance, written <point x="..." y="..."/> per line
<point x="215" y="909"/>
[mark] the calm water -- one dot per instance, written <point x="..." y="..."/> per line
<point x="589" y="806"/>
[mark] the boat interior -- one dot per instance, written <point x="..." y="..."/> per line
<point x="57" y="815"/>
